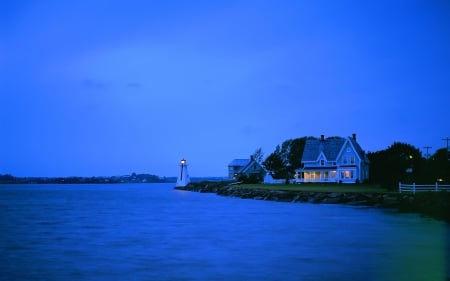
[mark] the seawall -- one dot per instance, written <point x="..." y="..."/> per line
<point x="436" y="205"/>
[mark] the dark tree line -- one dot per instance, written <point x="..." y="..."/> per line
<point x="403" y="162"/>
<point x="134" y="178"/>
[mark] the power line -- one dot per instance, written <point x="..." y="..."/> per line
<point x="448" y="154"/>
<point x="427" y="155"/>
<point x="446" y="139"/>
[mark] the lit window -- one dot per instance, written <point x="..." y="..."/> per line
<point x="316" y="175"/>
<point x="307" y="175"/>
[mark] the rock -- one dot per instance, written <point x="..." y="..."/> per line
<point x="331" y="200"/>
<point x="296" y="198"/>
<point x="434" y="204"/>
<point x="358" y="203"/>
<point x="389" y="201"/>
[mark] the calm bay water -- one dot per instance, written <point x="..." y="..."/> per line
<point x="153" y="232"/>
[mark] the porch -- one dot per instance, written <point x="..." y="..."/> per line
<point x="324" y="175"/>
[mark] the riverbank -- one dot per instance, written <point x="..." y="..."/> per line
<point x="433" y="204"/>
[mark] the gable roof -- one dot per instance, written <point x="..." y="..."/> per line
<point x="239" y="162"/>
<point x="250" y="164"/>
<point x="362" y="155"/>
<point x="329" y="147"/>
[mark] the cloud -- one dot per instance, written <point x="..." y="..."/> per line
<point x="92" y="84"/>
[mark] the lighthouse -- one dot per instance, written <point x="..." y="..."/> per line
<point x="183" y="177"/>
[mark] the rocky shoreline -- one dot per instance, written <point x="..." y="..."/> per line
<point x="436" y="205"/>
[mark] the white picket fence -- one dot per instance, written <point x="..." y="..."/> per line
<point x="422" y="187"/>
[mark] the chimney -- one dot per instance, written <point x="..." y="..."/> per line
<point x="322" y="137"/>
<point x="354" y="136"/>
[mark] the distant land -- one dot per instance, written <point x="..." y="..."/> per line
<point x="133" y="178"/>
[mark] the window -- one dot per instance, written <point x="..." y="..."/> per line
<point x="347" y="174"/>
<point x="352" y="159"/>
<point x="333" y="174"/>
<point x="316" y="175"/>
<point x="307" y="176"/>
<point x="322" y="162"/>
<point x="325" y="175"/>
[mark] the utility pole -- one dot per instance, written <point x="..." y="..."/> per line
<point x="448" y="154"/>
<point x="427" y="155"/>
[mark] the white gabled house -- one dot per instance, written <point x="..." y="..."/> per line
<point x="339" y="160"/>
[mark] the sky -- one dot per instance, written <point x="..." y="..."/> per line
<point x="102" y="88"/>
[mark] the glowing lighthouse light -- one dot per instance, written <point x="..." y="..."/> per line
<point x="183" y="177"/>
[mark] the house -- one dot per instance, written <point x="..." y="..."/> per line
<point x="268" y="179"/>
<point x="247" y="167"/>
<point x="336" y="159"/>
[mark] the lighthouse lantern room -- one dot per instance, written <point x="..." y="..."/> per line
<point x="183" y="176"/>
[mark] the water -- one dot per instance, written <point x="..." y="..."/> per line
<point x="153" y="232"/>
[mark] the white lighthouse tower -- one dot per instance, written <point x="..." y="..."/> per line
<point x="183" y="177"/>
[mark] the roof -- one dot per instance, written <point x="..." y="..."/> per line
<point x="315" y="168"/>
<point x="330" y="148"/>
<point x="239" y="162"/>
<point x="359" y="150"/>
<point x="250" y="164"/>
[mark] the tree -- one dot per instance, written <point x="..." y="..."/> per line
<point x="258" y="155"/>
<point x="296" y="152"/>
<point x="438" y="167"/>
<point x="274" y="164"/>
<point x="399" y="162"/>
<point x="7" y="178"/>
<point x="250" y="179"/>
<point x="286" y="158"/>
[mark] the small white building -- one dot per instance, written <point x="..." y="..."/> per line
<point x="338" y="160"/>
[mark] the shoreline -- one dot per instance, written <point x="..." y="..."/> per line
<point x="432" y="204"/>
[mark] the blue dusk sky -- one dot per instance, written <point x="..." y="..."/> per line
<point x="95" y="88"/>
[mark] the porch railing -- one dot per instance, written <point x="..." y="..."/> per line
<point x="422" y="187"/>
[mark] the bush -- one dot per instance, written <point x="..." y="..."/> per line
<point x="253" y="178"/>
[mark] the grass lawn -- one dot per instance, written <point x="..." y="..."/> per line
<point x="320" y="187"/>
